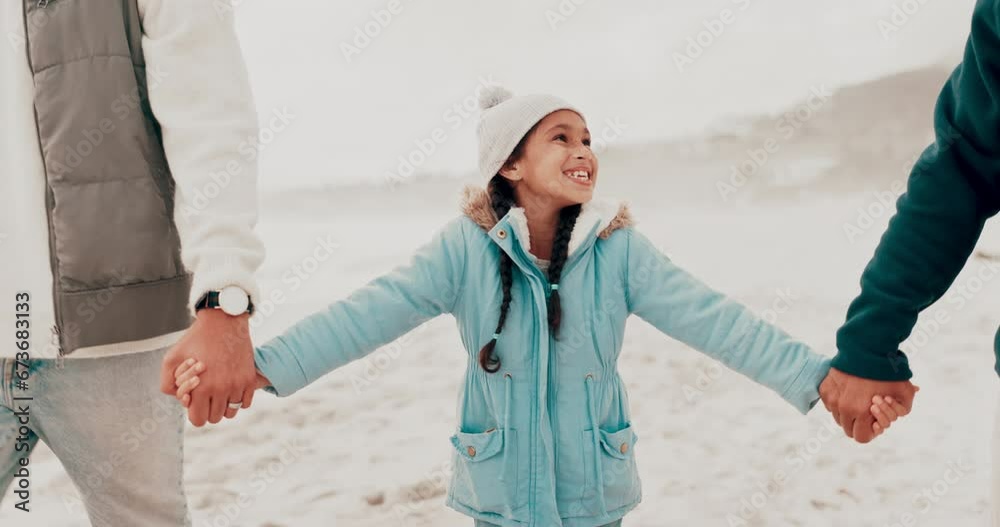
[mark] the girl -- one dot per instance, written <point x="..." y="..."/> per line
<point x="540" y="279"/>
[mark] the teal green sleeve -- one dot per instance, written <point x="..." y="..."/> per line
<point x="372" y="316"/>
<point x="950" y="194"/>
<point x="684" y="308"/>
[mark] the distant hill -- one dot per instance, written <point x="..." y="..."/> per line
<point x="863" y="138"/>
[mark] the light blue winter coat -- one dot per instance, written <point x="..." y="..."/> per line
<point x="548" y="439"/>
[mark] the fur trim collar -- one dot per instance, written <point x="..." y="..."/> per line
<point x="608" y="214"/>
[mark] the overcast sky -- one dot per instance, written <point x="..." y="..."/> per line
<point x="355" y="116"/>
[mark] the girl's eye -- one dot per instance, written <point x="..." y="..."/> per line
<point x="561" y="137"/>
<point x="586" y="141"/>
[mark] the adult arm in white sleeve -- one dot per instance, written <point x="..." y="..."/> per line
<point x="200" y="94"/>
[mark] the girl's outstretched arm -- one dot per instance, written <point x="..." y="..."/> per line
<point x="683" y="307"/>
<point x="372" y="316"/>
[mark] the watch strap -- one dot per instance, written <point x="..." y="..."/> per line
<point x="209" y="299"/>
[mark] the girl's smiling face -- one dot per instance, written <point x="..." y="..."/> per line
<point x="556" y="165"/>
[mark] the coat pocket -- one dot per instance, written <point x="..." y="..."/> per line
<point x="486" y="478"/>
<point x="618" y="477"/>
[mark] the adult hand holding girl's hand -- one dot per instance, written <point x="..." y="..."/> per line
<point x="222" y="342"/>
<point x="864" y="408"/>
<point x="186" y="379"/>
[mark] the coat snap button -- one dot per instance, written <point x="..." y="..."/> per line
<point x="624" y="448"/>
<point x="472" y="451"/>
<point x="501" y="234"/>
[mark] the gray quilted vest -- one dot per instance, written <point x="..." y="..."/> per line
<point x="115" y="253"/>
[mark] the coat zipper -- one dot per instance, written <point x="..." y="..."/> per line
<point x="49" y="200"/>
<point x="543" y="328"/>
<point x="553" y="373"/>
<point x="535" y="425"/>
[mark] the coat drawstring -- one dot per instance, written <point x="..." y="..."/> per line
<point x="589" y="382"/>
<point x="506" y="422"/>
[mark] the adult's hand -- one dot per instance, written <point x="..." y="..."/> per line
<point x="849" y="399"/>
<point x="222" y="343"/>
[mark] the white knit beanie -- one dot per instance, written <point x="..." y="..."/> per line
<point x="503" y="121"/>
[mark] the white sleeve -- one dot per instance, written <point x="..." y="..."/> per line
<point x="199" y="92"/>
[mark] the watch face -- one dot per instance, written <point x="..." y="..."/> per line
<point x="233" y="301"/>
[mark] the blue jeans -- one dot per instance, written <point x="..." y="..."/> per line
<point x="119" y="439"/>
<point x="480" y="523"/>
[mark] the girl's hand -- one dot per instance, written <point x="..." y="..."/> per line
<point x="885" y="410"/>
<point x="186" y="380"/>
<point x="262" y="381"/>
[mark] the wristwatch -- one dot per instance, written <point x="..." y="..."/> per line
<point x="232" y="300"/>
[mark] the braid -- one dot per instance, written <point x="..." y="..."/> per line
<point x="502" y="200"/>
<point x="560" y="250"/>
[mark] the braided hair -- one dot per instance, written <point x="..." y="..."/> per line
<point x="502" y="199"/>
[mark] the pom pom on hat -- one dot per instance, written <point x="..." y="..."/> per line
<point x="492" y="96"/>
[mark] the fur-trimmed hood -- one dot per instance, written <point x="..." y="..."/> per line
<point x="610" y="215"/>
